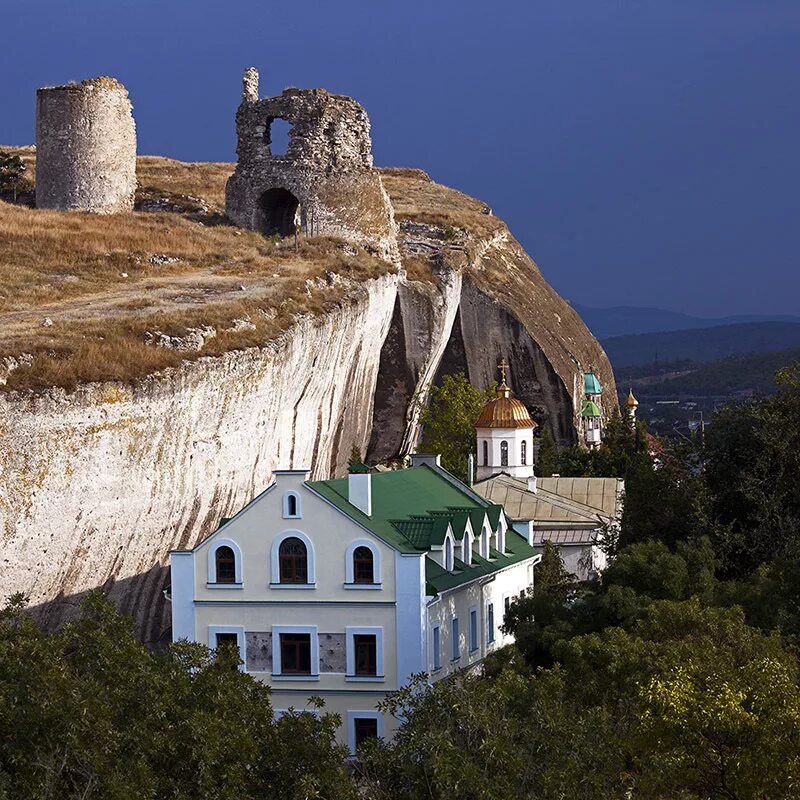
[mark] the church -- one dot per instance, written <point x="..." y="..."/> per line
<point x="573" y="513"/>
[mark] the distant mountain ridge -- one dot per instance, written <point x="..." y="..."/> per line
<point x="702" y="344"/>
<point x="628" y="320"/>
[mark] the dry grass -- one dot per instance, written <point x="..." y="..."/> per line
<point x="104" y="281"/>
<point x="416" y="197"/>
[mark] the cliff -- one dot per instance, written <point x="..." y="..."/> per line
<point x="139" y="410"/>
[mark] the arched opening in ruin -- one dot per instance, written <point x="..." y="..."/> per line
<point x="278" y="134"/>
<point x="278" y="211"/>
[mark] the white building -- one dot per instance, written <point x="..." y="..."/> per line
<point x="346" y="588"/>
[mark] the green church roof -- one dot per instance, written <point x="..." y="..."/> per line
<point x="411" y="511"/>
<point x="590" y="409"/>
<point x="591" y="385"/>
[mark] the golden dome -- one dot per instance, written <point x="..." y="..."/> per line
<point x="504" y="411"/>
<point x="631" y="401"/>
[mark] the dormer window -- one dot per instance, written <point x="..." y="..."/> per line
<point x="448" y="554"/>
<point x="466" y="548"/>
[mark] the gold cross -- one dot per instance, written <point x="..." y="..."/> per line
<point x="503" y="365"/>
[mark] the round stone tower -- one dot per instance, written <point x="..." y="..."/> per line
<point x="85" y="147"/>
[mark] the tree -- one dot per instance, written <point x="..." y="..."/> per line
<point x="448" y="420"/>
<point x="12" y="169"/>
<point x="547" y="457"/>
<point x="88" y="712"/>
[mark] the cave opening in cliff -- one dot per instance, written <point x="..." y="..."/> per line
<point x="278" y="209"/>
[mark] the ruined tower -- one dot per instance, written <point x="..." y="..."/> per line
<point x="85" y="147"/>
<point x="324" y="185"/>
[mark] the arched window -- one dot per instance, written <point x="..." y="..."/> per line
<point x="291" y="505"/>
<point x="293" y="561"/>
<point x="466" y="548"/>
<point x="503" y="453"/>
<point x="448" y="554"/>
<point x="485" y="534"/>
<point x="485" y="453"/>
<point x="363" y="565"/>
<point x="523" y="454"/>
<point x="225" y="562"/>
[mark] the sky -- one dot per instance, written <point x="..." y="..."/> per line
<point x="645" y="152"/>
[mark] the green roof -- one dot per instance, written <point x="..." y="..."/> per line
<point x="411" y="511"/>
<point x="590" y="409"/>
<point x="591" y="385"/>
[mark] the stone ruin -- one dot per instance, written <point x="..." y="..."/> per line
<point x="85" y="147"/>
<point x="324" y="185"/>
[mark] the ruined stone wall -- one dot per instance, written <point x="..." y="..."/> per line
<point x="324" y="182"/>
<point x="85" y="147"/>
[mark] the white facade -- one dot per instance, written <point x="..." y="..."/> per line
<point x="508" y="450"/>
<point x="329" y="632"/>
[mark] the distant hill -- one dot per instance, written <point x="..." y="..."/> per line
<point x="625" y="320"/>
<point x="702" y="344"/>
<point x="729" y="376"/>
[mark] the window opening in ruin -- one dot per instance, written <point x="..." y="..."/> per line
<point x="278" y="212"/>
<point x="279" y="130"/>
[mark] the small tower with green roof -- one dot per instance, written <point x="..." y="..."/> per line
<point x="591" y="409"/>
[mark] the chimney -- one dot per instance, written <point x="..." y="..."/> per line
<point x="532" y="484"/>
<point x="359" y="488"/>
<point x="418" y="459"/>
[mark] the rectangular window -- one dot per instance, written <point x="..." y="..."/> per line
<point x="365" y="728"/>
<point x="473" y="629"/>
<point x="296" y="653"/>
<point x="366" y="654"/>
<point x="490" y="623"/>
<point x="437" y="648"/>
<point x="456" y="640"/>
<point x="227" y="640"/>
<point x="506" y="604"/>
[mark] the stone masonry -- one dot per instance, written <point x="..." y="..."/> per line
<point x="85" y="147"/>
<point x="324" y="185"/>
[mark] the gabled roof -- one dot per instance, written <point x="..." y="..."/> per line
<point x="557" y="502"/>
<point x="412" y="510"/>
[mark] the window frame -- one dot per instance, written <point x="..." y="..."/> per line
<point x="277" y="661"/>
<point x="350" y="654"/>
<point x="213" y="630"/>
<point x="485" y="452"/>
<point x="352" y="716"/>
<point x="449" y="553"/>
<point x="474" y="628"/>
<point x="523" y="453"/>
<point x="298" y="513"/>
<point x="212" y="565"/>
<point x="504" y="453"/>
<point x="275" y="565"/>
<point x="436" y="647"/>
<point x="490" y="623"/>
<point x="349" y="565"/>
<point x="455" y="634"/>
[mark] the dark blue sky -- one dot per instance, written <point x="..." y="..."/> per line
<point x="645" y="152"/>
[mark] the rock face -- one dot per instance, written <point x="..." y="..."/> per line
<point x="85" y="147"/>
<point x="99" y="486"/>
<point x="324" y="185"/>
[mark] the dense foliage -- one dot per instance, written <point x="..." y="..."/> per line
<point x="88" y="712"/>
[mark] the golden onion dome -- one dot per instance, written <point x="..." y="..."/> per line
<point x="631" y="401"/>
<point x="504" y="411"/>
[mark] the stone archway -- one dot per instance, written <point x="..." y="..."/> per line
<point x="278" y="208"/>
